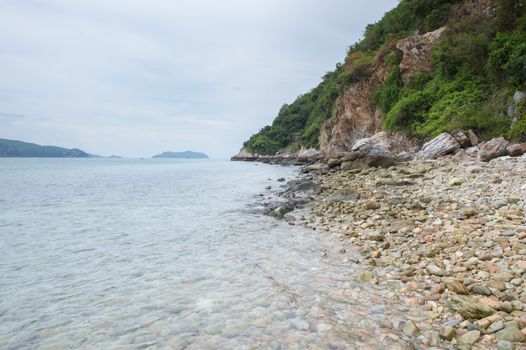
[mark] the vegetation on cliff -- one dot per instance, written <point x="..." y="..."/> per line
<point x="478" y="65"/>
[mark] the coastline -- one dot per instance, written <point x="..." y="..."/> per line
<point x="451" y="230"/>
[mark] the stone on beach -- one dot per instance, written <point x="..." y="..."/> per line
<point x="450" y="230"/>
<point x="493" y="149"/>
<point x="441" y="145"/>
<point x="470" y="307"/>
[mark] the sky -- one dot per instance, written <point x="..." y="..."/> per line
<point x="140" y="77"/>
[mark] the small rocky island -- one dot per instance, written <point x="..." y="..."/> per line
<point x="185" y="155"/>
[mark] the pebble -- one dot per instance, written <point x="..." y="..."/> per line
<point x="455" y="241"/>
<point x="447" y="332"/>
<point x="455" y="182"/>
<point x="469" y="338"/>
<point x="434" y="270"/>
<point x="495" y="327"/>
<point x="504" y="345"/>
<point x="481" y="289"/>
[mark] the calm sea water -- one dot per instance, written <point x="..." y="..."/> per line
<point x="165" y="254"/>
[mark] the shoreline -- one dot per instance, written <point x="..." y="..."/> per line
<point x="451" y="230"/>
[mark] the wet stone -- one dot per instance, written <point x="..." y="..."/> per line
<point x="435" y="270"/>
<point x="469" y="338"/>
<point x="511" y="333"/>
<point x="495" y="327"/>
<point x="447" y="332"/>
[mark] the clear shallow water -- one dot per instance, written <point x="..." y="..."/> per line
<point x="161" y="254"/>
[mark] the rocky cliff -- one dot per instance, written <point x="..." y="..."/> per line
<point x="410" y="88"/>
<point x="356" y="115"/>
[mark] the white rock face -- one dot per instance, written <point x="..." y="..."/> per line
<point x="244" y="154"/>
<point x="378" y="141"/>
<point x="441" y="145"/>
<point x="308" y="153"/>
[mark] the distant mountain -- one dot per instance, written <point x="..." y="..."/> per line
<point x="12" y="148"/>
<point x="187" y="154"/>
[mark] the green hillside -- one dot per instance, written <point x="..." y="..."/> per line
<point x="478" y="66"/>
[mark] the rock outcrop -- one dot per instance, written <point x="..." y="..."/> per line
<point x="356" y="116"/>
<point x="417" y="50"/>
<point x="244" y="155"/>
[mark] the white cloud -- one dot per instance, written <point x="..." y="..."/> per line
<point x="138" y="77"/>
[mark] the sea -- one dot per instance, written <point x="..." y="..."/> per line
<point x="171" y="254"/>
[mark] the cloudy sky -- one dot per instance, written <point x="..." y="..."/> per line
<point x="138" y="77"/>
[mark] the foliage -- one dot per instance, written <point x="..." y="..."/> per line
<point x="409" y="16"/>
<point x="300" y="122"/>
<point x="389" y="93"/>
<point x="518" y="130"/>
<point x="477" y="66"/>
<point x="408" y="112"/>
<point x="507" y="57"/>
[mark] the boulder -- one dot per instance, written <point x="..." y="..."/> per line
<point x="373" y="160"/>
<point x="304" y="186"/>
<point x="516" y="150"/>
<point x="405" y="156"/>
<point x="308" y="155"/>
<point x="473" y="138"/>
<point x="377" y="142"/>
<point x="281" y="211"/>
<point x="441" y="145"/>
<point x="314" y="167"/>
<point x="350" y="156"/>
<point x="472" y="151"/>
<point x="462" y="139"/>
<point x="493" y="149"/>
<point x="333" y="162"/>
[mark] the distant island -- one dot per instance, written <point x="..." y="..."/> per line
<point x="13" y="148"/>
<point x="186" y="154"/>
<point x="91" y="155"/>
